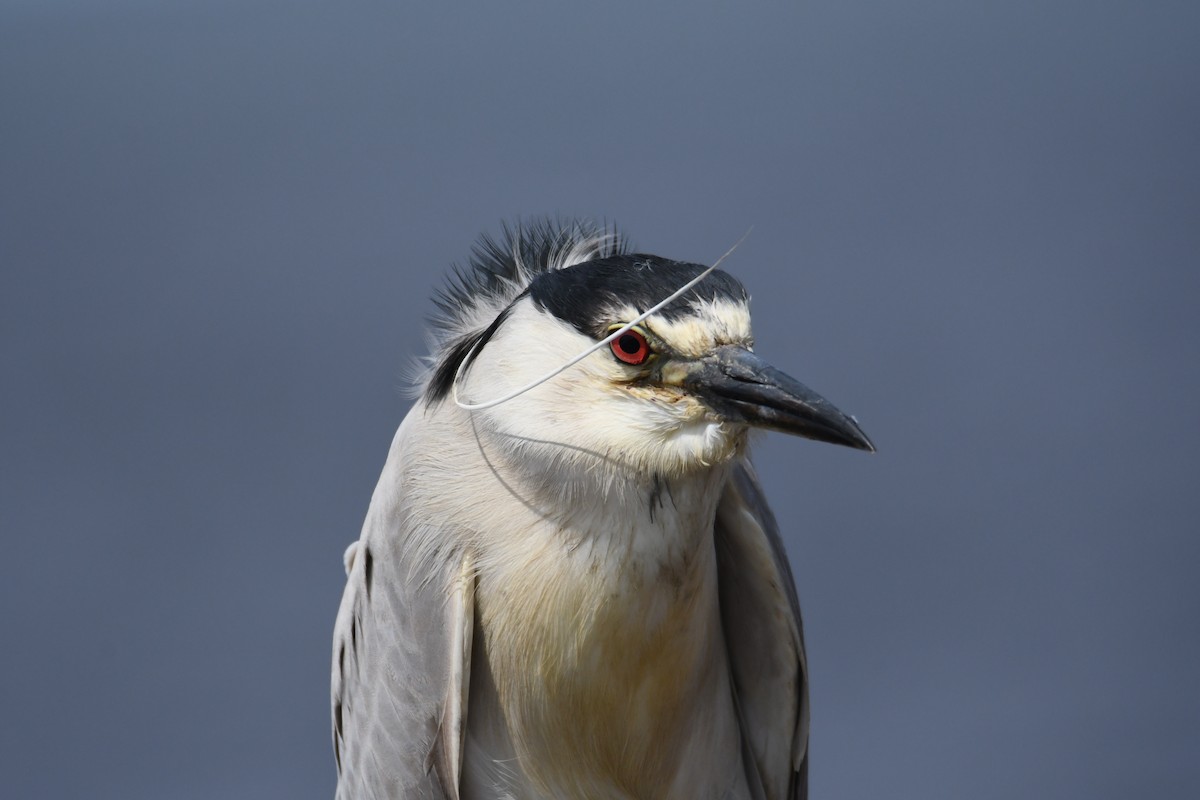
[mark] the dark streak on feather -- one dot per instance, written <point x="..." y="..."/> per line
<point x="468" y="348"/>
<point x="368" y="568"/>
<point x="656" y="491"/>
<point x="337" y="734"/>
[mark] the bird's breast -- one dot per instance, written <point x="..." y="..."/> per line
<point x="608" y="657"/>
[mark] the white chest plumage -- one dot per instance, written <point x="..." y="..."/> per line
<point x="601" y="635"/>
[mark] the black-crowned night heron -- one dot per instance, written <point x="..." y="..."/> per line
<point x="580" y="591"/>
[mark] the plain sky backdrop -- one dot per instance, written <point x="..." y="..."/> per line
<point x="976" y="227"/>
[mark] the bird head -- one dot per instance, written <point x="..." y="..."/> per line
<point x="676" y="393"/>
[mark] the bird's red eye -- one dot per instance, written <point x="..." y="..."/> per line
<point x="631" y="347"/>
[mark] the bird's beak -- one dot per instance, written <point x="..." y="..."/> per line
<point x="742" y="387"/>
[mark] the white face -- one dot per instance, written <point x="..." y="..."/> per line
<point x="603" y="409"/>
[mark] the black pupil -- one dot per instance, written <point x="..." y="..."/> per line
<point x="630" y="344"/>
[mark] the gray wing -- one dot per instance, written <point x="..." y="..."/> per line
<point x="765" y="640"/>
<point x="401" y="656"/>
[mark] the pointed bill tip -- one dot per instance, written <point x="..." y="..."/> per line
<point x="859" y="439"/>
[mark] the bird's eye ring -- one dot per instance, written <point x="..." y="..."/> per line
<point x="631" y="347"/>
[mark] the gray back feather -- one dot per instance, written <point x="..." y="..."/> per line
<point x="760" y="614"/>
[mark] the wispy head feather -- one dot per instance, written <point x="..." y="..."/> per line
<point x="499" y="270"/>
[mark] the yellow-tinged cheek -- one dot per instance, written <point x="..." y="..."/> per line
<point x="679" y="401"/>
<point x="674" y="373"/>
<point x="671" y="430"/>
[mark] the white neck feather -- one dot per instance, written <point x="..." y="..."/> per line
<point x="599" y="619"/>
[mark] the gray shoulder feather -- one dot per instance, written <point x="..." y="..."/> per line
<point x="401" y="662"/>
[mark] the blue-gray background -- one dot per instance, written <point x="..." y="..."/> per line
<point x="976" y="226"/>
